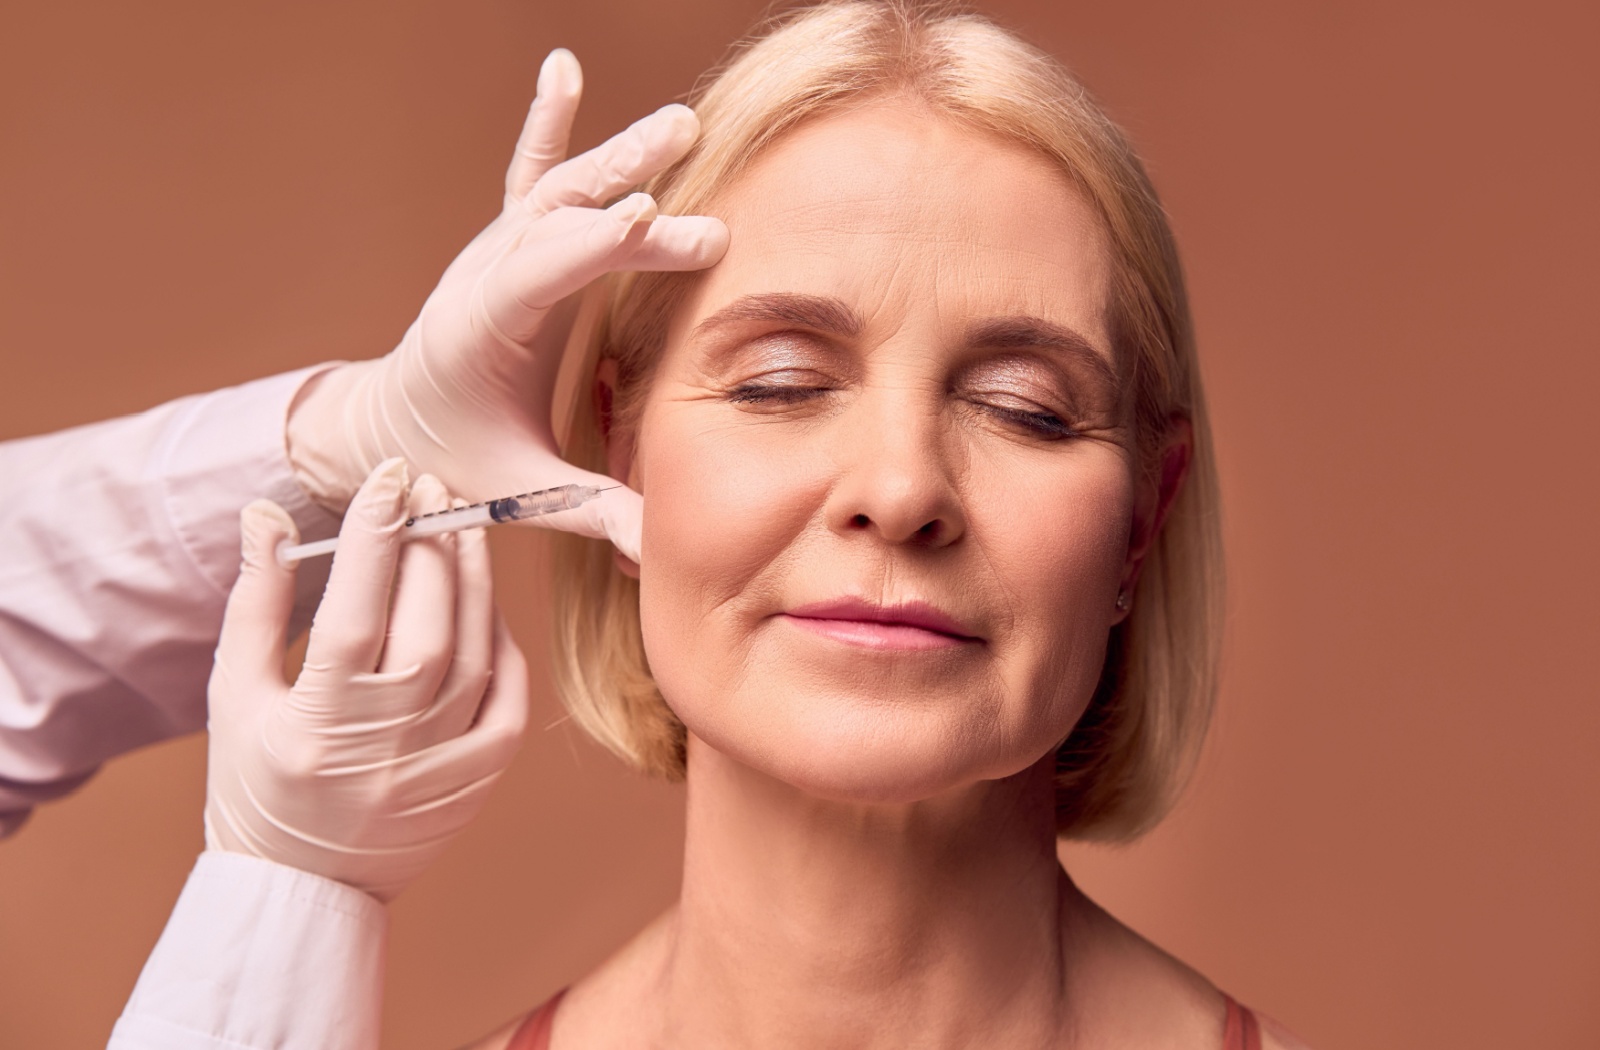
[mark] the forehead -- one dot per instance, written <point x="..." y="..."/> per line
<point x="908" y="216"/>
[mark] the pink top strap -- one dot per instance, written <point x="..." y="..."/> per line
<point x="1240" y="1031"/>
<point x="534" y="1032"/>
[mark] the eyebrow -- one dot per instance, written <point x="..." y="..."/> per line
<point x="821" y="313"/>
<point x="1035" y="333"/>
<point x="827" y="314"/>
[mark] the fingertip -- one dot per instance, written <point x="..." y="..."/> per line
<point x="263" y="527"/>
<point x="624" y="564"/>
<point x="681" y="117"/>
<point x="710" y="241"/>
<point x="428" y="495"/>
<point x="633" y="209"/>
<point x="381" y="501"/>
<point x="673" y="130"/>
<point x="263" y="514"/>
<point x="560" y="75"/>
<point x="681" y="242"/>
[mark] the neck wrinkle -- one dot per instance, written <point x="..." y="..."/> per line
<point x="815" y="923"/>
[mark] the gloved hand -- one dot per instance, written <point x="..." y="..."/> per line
<point x="467" y="394"/>
<point x="390" y="739"/>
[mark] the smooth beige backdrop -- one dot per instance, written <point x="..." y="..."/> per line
<point x="1388" y="214"/>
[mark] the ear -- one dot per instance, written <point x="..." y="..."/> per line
<point x="618" y="446"/>
<point x="1154" y="500"/>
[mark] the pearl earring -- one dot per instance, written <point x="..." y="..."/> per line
<point x="1122" y="601"/>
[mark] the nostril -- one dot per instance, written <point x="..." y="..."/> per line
<point x="860" y="520"/>
<point x="929" y="529"/>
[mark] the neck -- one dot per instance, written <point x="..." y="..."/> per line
<point x="845" y="924"/>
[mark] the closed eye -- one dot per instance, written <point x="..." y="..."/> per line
<point x="780" y="388"/>
<point x="772" y="393"/>
<point x="1046" y="424"/>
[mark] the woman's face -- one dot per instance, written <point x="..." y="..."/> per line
<point x="888" y="474"/>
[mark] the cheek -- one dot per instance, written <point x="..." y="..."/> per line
<point x="722" y="500"/>
<point x="727" y="507"/>
<point x="1053" y="543"/>
<point x="1060" y="538"/>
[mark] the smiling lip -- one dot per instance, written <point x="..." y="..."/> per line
<point x="911" y="625"/>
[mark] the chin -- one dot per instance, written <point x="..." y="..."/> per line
<point x="845" y="753"/>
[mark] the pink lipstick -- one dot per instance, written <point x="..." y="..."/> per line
<point x="913" y="625"/>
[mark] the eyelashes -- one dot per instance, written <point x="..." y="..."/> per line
<point x="1046" y="425"/>
<point x="761" y="393"/>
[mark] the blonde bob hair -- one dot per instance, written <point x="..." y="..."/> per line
<point x="1122" y="765"/>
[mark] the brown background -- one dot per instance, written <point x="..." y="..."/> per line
<point x="1388" y="214"/>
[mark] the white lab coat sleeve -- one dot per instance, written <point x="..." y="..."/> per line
<point x="121" y="542"/>
<point x="258" y="956"/>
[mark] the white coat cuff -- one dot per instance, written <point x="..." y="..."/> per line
<point x="258" y="955"/>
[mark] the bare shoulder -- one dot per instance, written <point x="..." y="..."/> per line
<point x="1136" y="994"/>
<point x="1149" y="998"/>
<point x="627" y="985"/>
<point x="589" y="1006"/>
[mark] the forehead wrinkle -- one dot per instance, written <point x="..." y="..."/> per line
<point x="819" y="210"/>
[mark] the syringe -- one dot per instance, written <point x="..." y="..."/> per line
<point x="473" y="516"/>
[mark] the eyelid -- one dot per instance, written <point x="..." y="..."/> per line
<point x="1050" y="402"/>
<point x="786" y="357"/>
<point x="1026" y="412"/>
<point x="1039" y="381"/>
<point x="775" y="350"/>
<point x="793" y="377"/>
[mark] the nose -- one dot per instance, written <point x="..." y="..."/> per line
<point x="897" y="474"/>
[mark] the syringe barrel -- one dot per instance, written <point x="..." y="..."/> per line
<point x="449" y="521"/>
<point x="504" y="510"/>
<point x="533" y="504"/>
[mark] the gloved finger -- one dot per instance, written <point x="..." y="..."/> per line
<point x="255" y="629"/>
<point x="489" y="745"/>
<point x="545" y="133"/>
<point x="515" y="294"/>
<point x="622" y="161"/>
<point x="678" y="242"/>
<point x="671" y="242"/>
<point x="422" y="612"/>
<point x="347" y="633"/>
<point x="616" y="515"/>
<point x="456" y="704"/>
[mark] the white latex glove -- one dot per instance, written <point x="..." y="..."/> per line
<point x="467" y="394"/>
<point x="390" y="739"/>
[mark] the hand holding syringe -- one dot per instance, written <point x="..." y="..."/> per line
<point x="474" y="516"/>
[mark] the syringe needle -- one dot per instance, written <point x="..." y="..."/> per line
<point x="473" y="516"/>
